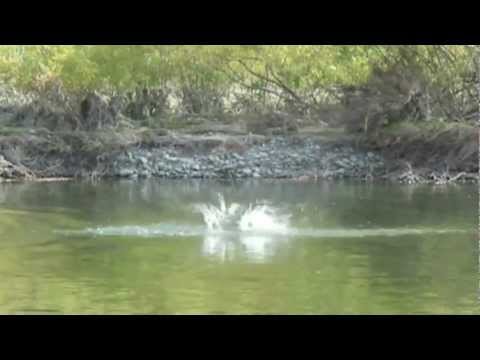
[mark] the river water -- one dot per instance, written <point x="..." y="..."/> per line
<point x="255" y="247"/>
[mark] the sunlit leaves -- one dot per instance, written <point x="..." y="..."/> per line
<point x="301" y="69"/>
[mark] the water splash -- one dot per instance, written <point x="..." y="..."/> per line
<point x="254" y="218"/>
<point x="264" y="218"/>
<point x="218" y="217"/>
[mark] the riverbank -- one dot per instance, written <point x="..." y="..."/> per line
<point x="41" y="155"/>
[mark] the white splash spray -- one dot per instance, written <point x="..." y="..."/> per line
<point x="254" y="218"/>
<point x="264" y="218"/>
<point x="217" y="218"/>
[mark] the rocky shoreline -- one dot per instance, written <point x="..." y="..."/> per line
<point x="231" y="157"/>
<point x="276" y="158"/>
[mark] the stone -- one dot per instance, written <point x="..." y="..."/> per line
<point x="126" y="172"/>
<point x="144" y="174"/>
<point x="247" y="172"/>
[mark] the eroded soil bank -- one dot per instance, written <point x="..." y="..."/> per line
<point x="217" y="153"/>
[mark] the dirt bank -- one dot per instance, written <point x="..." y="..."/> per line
<point x="213" y="153"/>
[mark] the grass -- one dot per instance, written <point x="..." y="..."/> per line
<point x="452" y="143"/>
<point x="435" y="132"/>
<point x="10" y="130"/>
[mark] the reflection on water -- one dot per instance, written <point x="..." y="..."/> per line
<point x="253" y="247"/>
<point x="215" y="245"/>
<point x="261" y="247"/>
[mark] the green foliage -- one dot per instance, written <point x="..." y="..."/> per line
<point x="285" y="72"/>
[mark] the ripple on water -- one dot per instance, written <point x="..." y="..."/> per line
<point x="255" y="225"/>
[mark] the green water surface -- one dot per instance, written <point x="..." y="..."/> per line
<point x="359" y="249"/>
